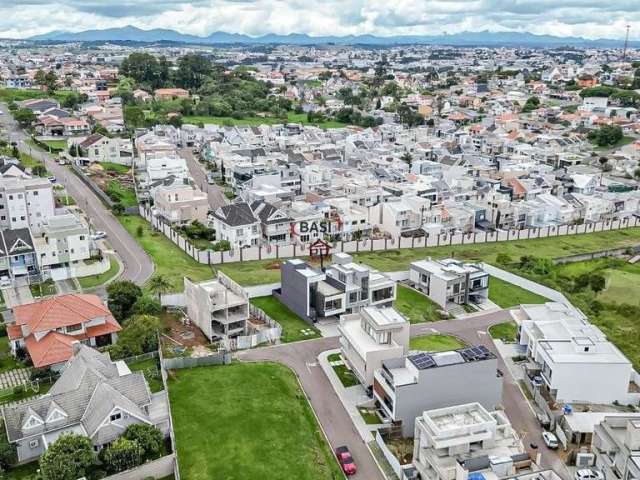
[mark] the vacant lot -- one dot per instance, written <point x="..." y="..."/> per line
<point x="507" y="295"/>
<point x="169" y="260"/>
<point x="247" y="422"/>
<point x="416" y="306"/>
<point x="435" y="343"/>
<point x="267" y="271"/>
<point x="255" y="121"/>
<point x="293" y="327"/>
<point x="507" y="331"/>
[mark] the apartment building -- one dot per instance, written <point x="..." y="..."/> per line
<point x="405" y="387"/>
<point x="453" y="442"/>
<point x="450" y="281"/>
<point x="219" y="307"/>
<point x="573" y="358"/>
<point x="25" y="202"/>
<point x="371" y="336"/>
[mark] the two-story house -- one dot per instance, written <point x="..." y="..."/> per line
<point x="237" y="224"/>
<point x="48" y="329"/>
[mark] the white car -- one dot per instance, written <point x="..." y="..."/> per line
<point x="5" y="281"/>
<point x="550" y="440"/>
<point x="589" y="474"/>
<point x="99" y="235"/>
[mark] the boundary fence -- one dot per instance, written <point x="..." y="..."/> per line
<point x="276" y="252"/>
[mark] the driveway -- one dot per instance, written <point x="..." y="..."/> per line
<point x="17" y="295"/>
<point x="138" y="267"/>
<point x="216" y="195"/>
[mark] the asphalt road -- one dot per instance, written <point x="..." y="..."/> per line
<point x="302" y="358"/>
<point x="138" y="267"/>
<point x="216" y="195"/>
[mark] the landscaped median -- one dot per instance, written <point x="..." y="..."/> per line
<point x="170" y="261"/>
<point x="248" y="421"/>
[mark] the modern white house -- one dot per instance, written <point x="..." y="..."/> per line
<point x="616" y="446"/>
<point x="576" y="362"/>
<point x="165" y="166"/>
<point x="219" y="307"/>
<point x="369" y="337"/>
<point x="407" y="386"/>
<point x="452" y="442"/>
<point x="450" y="281"/>
<point x="64" y="240"/>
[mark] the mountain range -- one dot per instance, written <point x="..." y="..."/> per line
<point x="485" y="38"/>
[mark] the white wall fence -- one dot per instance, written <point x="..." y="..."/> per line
<point x="160" y="468"/>
<point x="390" y="457"/>
<point x="269" y="252"/>
<point x="178" y="363"/>
<point x="78" y="270"/>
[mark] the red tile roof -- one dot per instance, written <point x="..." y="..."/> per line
<point x="14" y="332"/>
<point x="60" y="311"/>
<point x="53" y="348"/>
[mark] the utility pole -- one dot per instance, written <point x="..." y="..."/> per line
<point x="626" y="44"/>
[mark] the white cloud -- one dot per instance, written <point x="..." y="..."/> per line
<point x="588" y="18"/>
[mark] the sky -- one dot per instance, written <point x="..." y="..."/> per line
<point x="584" y="18"/>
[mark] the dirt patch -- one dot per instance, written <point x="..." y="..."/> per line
<point x="181" y="331"/>
<point x="273" y="266"/>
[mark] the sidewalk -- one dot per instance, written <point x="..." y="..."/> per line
<point x="350" y="398"/>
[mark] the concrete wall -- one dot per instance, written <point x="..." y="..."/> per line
<point x="527" y="284"/>
<point x="294" y="291"/>
<point x="160" y="468"/>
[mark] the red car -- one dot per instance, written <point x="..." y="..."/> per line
<point x="346" y="461"/>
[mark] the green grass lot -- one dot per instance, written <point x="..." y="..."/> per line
<point x="370" y="417"/>
<point x="7" y="361"/>
<point x="293" y="327"/>
<point x="415" y="306"/>
<point x="56" y="144"/>
<point x="151" y="371"/>
<point x="346" y="376"/>
<point x="252" y="423"/>
<point x="97" y="280"/>
<point x="507" y="331"/>
<point x="118" y="193"/>
<point x="626" y="140"/>
<point x="506" y="294"/>
<point x="115" y="167"/>
<point x="266" y="271"/>
<point x="255" y="121"/>
<point x="18" y="95"/>
<point x="435" y="343"/>
<point x="169" y="260"/>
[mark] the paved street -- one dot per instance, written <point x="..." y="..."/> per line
<point x="302" y="358"/>
<point x="138" y="267"/>
<point x="216" y="195"/>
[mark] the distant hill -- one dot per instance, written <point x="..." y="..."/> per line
<point x="514" y="39"/>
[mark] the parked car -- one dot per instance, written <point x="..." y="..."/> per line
<point x="550" y="440"/>
<point x="52" y="179"/>
<point x="5" y="281"/>
<point x="99" y="235"/>
<point x="589" y="474"/>
<point x="345" y="460"/>
<point x="537" y="381"/>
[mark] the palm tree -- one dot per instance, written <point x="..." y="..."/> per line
<point x="407" y="158"/>
<point x="159" y="284"/>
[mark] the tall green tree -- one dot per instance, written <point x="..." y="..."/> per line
<point x="148" y="437"/>
<point x="122" y="455"/>
<point x="122" y="296"/>
<point x="160" y="284"/>
<point x="193" y="68"/>
<point x="68" y="458"/>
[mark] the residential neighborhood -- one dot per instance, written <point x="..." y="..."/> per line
<point x="352" y="243"/>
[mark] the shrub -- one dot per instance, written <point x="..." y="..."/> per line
<point x="122" y="455"/>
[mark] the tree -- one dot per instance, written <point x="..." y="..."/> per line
<point x="146" y="305"/>
<point x="39" y="170"/>
<point x="192" y="71"/>
<point x="133" y="116"/>
<point x="122" y="455"/>
<point x="221" y="246"/>
<point x="407" y="158"/>
<point x="8" y="454"/>
<point x="531" y="104"/>
<point x="139" y="335"/>
<point x="143" y="68"/>
<point x="148" y="437"/>
<point x="117" y="208"/>
<point x="68" y="458"/>
<point x="606" y="135"/>
<point x="122" y="296"/>
<point x="597" y="282"/>
<point x="24" y="117"/>
<point x="159" y="284"/>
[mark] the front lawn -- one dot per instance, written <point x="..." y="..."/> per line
<point x="293" y="327"/>
<point x="248" y="421"/>
<point x="507" y="295"/>
<point x="435" y="343"/>
<point x="93" y="281"/>
<point x="170" y="261"/>
<point x="44" y="289"/>
<point x="369" y="416"/>
<point x="507" y="331"/>
<point x="416" y="306"/>
<point x="268" y="271"/>
<point x="346" y="376"/>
